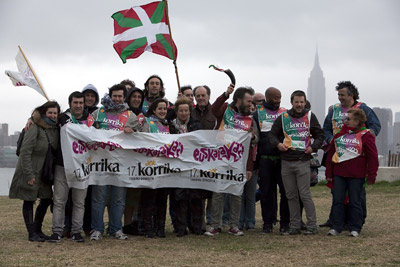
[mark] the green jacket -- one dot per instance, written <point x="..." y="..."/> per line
<point x="31" y="159"/>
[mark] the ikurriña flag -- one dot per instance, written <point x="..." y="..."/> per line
<point x="143" y="28"/>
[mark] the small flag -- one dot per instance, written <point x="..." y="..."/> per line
<point x="143" y="28"/>
<point x="24" y="76"/>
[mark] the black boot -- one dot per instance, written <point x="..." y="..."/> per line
<point x="27" y="212"/>
<point x="39" y="217"/>
<point x="161" y="229"/>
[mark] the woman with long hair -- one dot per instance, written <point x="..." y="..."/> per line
<point x="27" y="184"/>
<point x="154" y="201"/>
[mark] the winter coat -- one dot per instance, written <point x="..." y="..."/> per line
<point x="31" y="159"/>
<point x="206" y="117"/>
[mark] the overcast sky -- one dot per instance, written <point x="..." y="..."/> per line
<point x="265" y="43"/>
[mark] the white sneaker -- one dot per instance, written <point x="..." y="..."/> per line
<point x="95" y="235"/>
<point x="354" y="234"/>
<point x="120" y="235"/>
<point x="333" y="232"/>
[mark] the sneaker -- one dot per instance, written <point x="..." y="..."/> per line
<point x="77" y="237"/>
<point x="55" y="238"/>
<point x="235" y="231"/>
<point x="212" y="231"/>
<point x="120" y="235"/>
<point x="267" y="229"/>
<point x="333" y="232"/>
<point x="95" y="235"/>
<point x="311" y="231"/>
<point x="294" y="231"/>
<point x="284" y="231"/>
<point x="354" y="234"/>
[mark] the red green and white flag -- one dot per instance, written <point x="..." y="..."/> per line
<point x="143" y="28"/>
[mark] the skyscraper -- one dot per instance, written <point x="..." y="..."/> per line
<point x="385" y="116"/>
<point x="316" y="90"/>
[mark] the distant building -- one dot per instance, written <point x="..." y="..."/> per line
<point x="385" y="116"/>
<point x="396" y="137"/>
<point x="4" y="134"/>
<point x="316" y="90"/>
<point x="397" y="117"/>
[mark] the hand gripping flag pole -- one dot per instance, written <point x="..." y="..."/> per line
<point x="173" y="50"/>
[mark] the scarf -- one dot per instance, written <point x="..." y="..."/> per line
<point x="108" y="104"/>
<point x="180" y="126"/>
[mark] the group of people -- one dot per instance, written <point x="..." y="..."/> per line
<point x="282" y="144"/>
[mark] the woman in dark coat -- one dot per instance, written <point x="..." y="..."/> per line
<point x="27" y="184"/>
<point x="187" y="198"/>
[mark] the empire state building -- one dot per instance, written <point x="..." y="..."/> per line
<point x="316" y="90"/>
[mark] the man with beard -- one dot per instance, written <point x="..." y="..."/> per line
<point x="76" y="114"/>
<point x="296" y="127"/>
<point x="224" y="112"/>
<point x="269" y="163"/>
<point x="113" y="115"/>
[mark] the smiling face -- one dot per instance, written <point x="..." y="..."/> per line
<point x="52" y="113"/>
<point x="346" y="99"/>
<point x="183" y="112"/>
<point x="202" y="98"/>
<point x="298" y="103"/>
<point x="161" y="110"/>
<point x="244" y="105"/>
<point x="350" y="121"/>
<point x="117" y="97"/>
<point x="135" y="100"/>
<point x="90" y="99"/>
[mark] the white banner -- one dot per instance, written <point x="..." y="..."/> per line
<point x="211" y="160"/>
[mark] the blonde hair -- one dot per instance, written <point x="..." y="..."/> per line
<point x="358" y="114"/>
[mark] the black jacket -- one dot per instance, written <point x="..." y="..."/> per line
<point x="276" y="136"/>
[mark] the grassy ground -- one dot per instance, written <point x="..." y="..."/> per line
<point x="378" y="244"/>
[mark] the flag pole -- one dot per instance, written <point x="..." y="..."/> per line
<point x="173" y="48"/>
<point x="33" y="72"/>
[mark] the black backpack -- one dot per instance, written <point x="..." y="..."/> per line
<point x="19" y="142"/>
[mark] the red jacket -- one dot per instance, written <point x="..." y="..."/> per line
<point x="366" y="165"/>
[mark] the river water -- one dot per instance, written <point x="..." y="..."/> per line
<point x="6" y="175"/>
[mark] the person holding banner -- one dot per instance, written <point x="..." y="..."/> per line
<point x="77" y="115"/>
<point x="296" y="127"/>
<point x="154" y="201"/>
<point x="187" y="199"/>
<point x="113" y="115"/>
<point x="352" y="159"/>
<point x="232" y="116"/>
<point x="134" y="99"/>
<point x="27" y="184"/>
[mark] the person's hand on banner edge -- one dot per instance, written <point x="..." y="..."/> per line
<point x="248" y="175"/>
<point x="308" y="151"/>
<point x="128" y="130"/>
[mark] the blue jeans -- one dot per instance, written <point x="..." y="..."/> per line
<point x="248" y="209"/>
<point x="116" y="210"/>
<point x="356" y="215"/>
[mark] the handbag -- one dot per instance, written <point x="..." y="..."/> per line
<point x="314" y="165"/>
<point x="49" y="163"/>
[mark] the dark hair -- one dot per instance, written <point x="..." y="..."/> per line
<point x="75" y="94"/>
<point x="241" y="92"/>
<point x="50" y="104"/>
<point x="351" y="89"/>
<point x="183" y="101"/>
<point x="297" y="93"/>
<point x="128" y="82"/>
<point x="146" y="85"/>
<point x="117" y="87"/>
<point x="205" y="86"/>
<point x="154" y="105"/>
<point x="186" y="87"/>
<point x="358" y="114"/>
